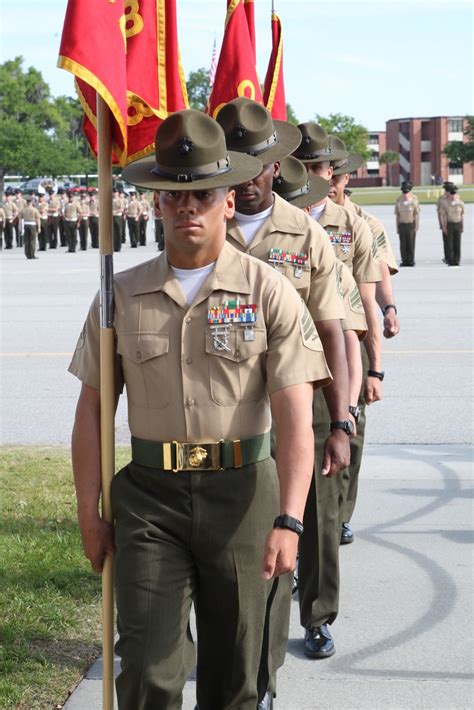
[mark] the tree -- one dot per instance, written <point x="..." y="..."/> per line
<point x="290" y="115"/>
<point x="462" y="152"/>
<point x="390" y="157"/>
<point x="39" y="135"/>
<point x="353" y="134"/>
<point x="198" y="88"/>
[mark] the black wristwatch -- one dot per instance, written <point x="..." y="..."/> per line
<point x="374" y="373"/>
<point x="286" y="521"/>
<point x="346" y="426"/>
<point x="355" y="411"/>
<point x="387" y="307"/>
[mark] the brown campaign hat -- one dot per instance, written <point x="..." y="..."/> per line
<point x="314" y="146"/>
<point x="191" y="154"/>
<point x="349" y="164"/>
<point x="249" y="128"/>
<point x="296" y="186"/>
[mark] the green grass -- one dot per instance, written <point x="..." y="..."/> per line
<point x="50" y="628"/>
<point x="388" y="195"/>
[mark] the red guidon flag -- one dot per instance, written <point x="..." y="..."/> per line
<point x="127" y="51"/>
<point x="274" y="86"/>
<point x="249" y="7"/>
<point x="236" y="74"/>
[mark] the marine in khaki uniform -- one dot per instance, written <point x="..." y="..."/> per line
<point x="452" y="221"/>
<point x="407" y="214"/>
<point x="385" y="300"/>
<point x="71" y="216"/>
<point x="29" y="220"/>
<point x="42" y="207"/>
<point x="143" y="220"/>
<point x="94" y="219"/>
<point x="84" y="221"/>
<point x="133" y="217"/>
<point x="54" y="215"/>
<point x="353" y="244"/>
<point x="159" y="232"/>
<point x="11" y="214"/>
<point x="207" y="338"/>
<point x="20" y="204"/>
<point x="123" y="224"/>
<point x="271" y="229"/>
<point x="117" y="219"/>
<point x="319" y="544"/>
<point x="439" y="203"/>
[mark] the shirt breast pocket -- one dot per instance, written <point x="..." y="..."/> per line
<point x="298" y="276"/>
<point x="145" y="364"/>
<point x="237" y="372"/>
<point x="343" y="252"/>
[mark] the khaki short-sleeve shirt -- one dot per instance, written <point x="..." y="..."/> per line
<point x="297" y="247"/>
<point x="352" y="241"/>
<point x="379" y="233"/>
<point x="453" y="210"/>
<point x="407" y="209"/>
<point x="190" y="382"/>
<point x="355" y="314"/>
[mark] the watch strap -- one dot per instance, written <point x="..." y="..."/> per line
<point x="289" y="523"/>
<point x="374" y="373"/>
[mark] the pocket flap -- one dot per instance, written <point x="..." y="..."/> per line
<point x="239" y="349"/>
<point x="140" y="347"/>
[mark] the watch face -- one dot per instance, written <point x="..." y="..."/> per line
<point x="349" y="427"/>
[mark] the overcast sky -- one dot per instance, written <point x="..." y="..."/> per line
<point x="371" y="59"/>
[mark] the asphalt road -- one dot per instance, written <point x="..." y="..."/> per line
<point x="428" y="366"/>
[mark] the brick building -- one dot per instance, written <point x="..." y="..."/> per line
<point x="419" y="142"/>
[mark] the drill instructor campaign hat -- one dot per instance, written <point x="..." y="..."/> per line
<point x="191" y="154"/>
<point x="296" y="186"/>
<point x="346" y="165"/>
<point x="315" y="147"/>
<point x="249" y="128"/>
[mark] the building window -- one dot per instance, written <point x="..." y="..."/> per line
<point x="372" y="173"/>
<point x="372" y="139"/>
<point x="455" y="125"/>
<point x="426" y="157"/>
<point x="425" y="131"/>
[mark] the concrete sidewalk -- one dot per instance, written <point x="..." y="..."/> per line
<point x="404" y="633"/>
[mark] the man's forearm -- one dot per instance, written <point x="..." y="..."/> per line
<point x="373" y="340"/>
<point x="383" y="288"/>
<point x="354" y="364"/>
<point x="292" y="413"/>
<point x="86" y="453"/>
<point x="336" y="393"/>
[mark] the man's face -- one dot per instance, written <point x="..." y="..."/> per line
<point x="323" y="169"/>
<point x="194" y="219"/>
<point x="256" y="195"/>
<point x="337" y="184"/>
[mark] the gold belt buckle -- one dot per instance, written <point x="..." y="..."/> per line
<point x="192" y="457"/>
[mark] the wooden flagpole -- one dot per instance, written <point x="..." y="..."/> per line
<point x="107" y="385"/>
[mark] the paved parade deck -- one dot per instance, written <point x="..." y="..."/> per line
<point x="404" y="634"/>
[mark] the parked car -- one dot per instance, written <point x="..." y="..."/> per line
<point x="38" y="184"/>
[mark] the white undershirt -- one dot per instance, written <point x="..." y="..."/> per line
<point x="316" y="211"/>
<point x="249" y="224"/>
<point x="191" y="280"/>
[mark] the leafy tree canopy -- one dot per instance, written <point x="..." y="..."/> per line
<point x="198" y="88"/>
<point x="39" y="134"/>
<point x="462" y="152"/>
<point x="353" y="134"/>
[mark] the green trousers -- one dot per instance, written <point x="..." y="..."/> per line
<point x="193" y="537"/>
<point x="318" y="565"/>
<point x="453" y="243"/>
<point x="29" y="239"/>
<point x="351" y="474"/>
<point x="407" y="234"/>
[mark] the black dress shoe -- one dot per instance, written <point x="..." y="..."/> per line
<point x="347" y="536"/>
<point x="267" y="702"/>
<point x="318" y="642"/>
